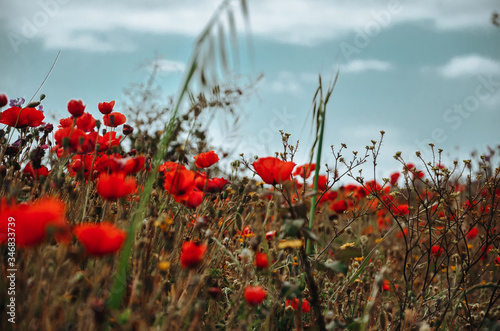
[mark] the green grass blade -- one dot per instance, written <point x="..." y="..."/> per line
<point x="119" y="284"/>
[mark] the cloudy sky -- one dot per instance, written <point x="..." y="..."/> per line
<point x="422" y="71"/>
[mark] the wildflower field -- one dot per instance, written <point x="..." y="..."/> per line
<point x="106" y="224"/>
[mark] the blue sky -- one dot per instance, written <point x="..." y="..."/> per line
<point x="422" y="71"/>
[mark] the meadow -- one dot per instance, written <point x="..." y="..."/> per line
<point x="106" y="224"/>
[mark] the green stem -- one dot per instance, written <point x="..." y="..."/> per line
<point x="119" y="285"/>
<point x="316" y="177"/>
<point x="321" y="114"/>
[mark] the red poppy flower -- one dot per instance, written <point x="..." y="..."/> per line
<point x="65" y="122"/>
<point x="115" y="163"/>
<point x="437" y="250"/>
<point x="272" y="170"/>
<point x="306" y="307"/>
<point x="350" y="188"/>
<point x="3" y="100"/>
<point x="305" y="170"/>
<point x="35" y="173"/>
<point x="76" y="107"/>
<point x="485" y="252"/>
<point x="20" y="118"/>
<point x="32" y="221"/>
<point x="179" y="182"/>
<point x="213" y="185"/>
<point x="403" y="233"/>
<point x="109" y="140"/>
<point x="205" y="160"/>
<point x="419" y="174"/>
<point x="77" y="139"/>
<point x="169" y="165"/>
<point x="254" y="295"/>
<point x="82" y="163"/>
<point x="416" y="173"/>
<point x="472" y="233"/>
<point x="106" y="107"/>
<point x="247" y="232"/>
<point x="328" y="196"/>
<point x="261" y="260"/>
<point x="194" y="198"/>
<point x="372" y="186"/>
<point x="216" y="185"/>
<point x="400" y="210"/>
<point x="100" y="239"/>
<point x="339" y="207"/>
<point x="322" y="181"/>
<point x="114" y="119"/>
<point x="386" y="286"/>
<point x="132" y="165"/>
<point x="270" y="235"/>
<point x="394" y="178"/>
<point x="86" y="122"/>
<point x="115" y="186"/>
<point x="192" y="254"/>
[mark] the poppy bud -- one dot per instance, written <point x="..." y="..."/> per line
<point x="33" y="104"/>
<point x="99" y="308"/>
<point x="127" y="129"/>
<point x="65" y="142"/>
<point x="3" y="100"/>
<point x="11" y="150"/>
<point x="48" y="128"/>
<point x="215" y="292"/>
<point x="76" y="108"/>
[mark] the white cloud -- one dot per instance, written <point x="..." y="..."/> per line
<point x="168" y="66"/>
<point x="358" y="66"/>
<point x="288" y="82"/>
<point x="467" y="65"/>
<point x="289" y="21"/>
<point x="90" y="42"/>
